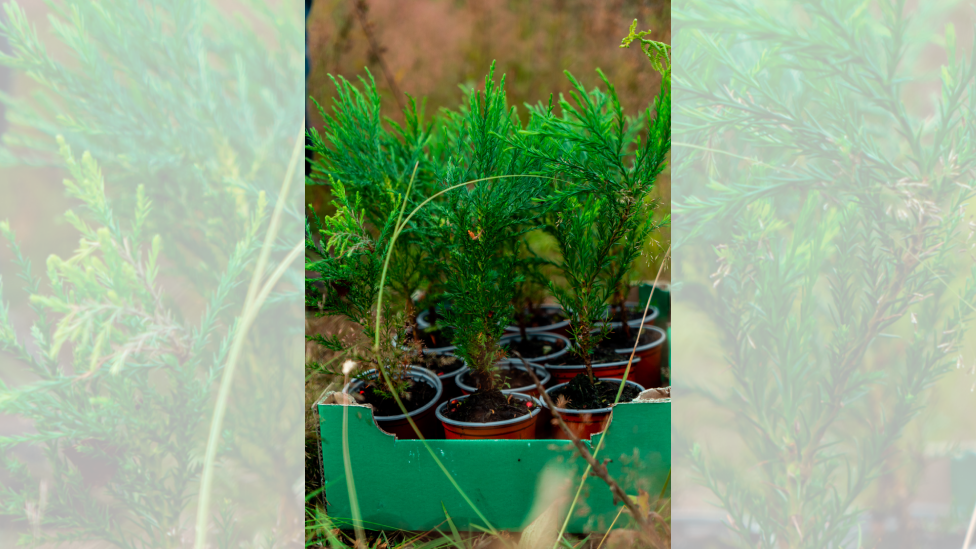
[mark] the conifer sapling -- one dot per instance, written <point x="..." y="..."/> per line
<point x="603" y="165"/>
<point x="481" y="224"/>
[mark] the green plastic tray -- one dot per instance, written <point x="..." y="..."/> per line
<point x="399" y="485"/>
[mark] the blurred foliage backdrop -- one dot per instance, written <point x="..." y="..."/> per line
<point x="428" y="48"/>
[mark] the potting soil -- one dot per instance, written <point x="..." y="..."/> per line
<point x="544" y="317"/>
<point x="509" y="378"/>
<point x="580" y="394"/>
<point x="439" y="364"/>
<point x="533" y="347"/>
<point x="486" y="407"/>
<point x="417" y="395"/>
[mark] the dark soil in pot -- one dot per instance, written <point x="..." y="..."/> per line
<point x="543" y="317"/>
<point x="600" y="355"/>
<point x="512" y="377"/>
<point x="633" y="314"/>
<point x="439" y="364"/>
<point x="617" y="339"/>
<point x="580" y="394"/>
<point x="532" y="347"/>
<point x="486" y="407"/>
<point x="437" y="338"/>
<point x="419" y="394"/>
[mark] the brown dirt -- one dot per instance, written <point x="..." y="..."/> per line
<point x="433" y="339"/>
<point x="509" y="378"/>
<point x="419" y="394"/>
<point x="487" y="407"/>
<point x="618" y="340"/>
<point x="533" y="347"/>
<point x="580" y="394"/>
<point x="439" y="364"/>
<point x="544" y="317"/>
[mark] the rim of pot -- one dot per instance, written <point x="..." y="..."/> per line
<point x="452" y="373"/>
<point x="449" y="350"/>
<point x="540" y="372"/>
<point x="593" y="410"/>
<point x="538" y="329"/>
<point x="532" y="413"/>
<point x="538" y="335"/>
<point x="413" y="371"/>
<point x="656" y="343"/>
<point x="652" y="314"/>
<point x="597" y="365"/>
<point x="422" y="316"/>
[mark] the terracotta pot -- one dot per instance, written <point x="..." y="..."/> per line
<point x="520" y="428"/>
<point x="648" y="373"/>
<point x="555" y="339"/>
<point x="583" y="423"/>
<point x="563" y="373"/>
<point x="561" y="328"/>
<point x="424" y="417"/>
<point x="465" y="382"/>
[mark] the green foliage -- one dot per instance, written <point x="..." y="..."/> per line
<point x="481" y="223"/>
<point x="209" y="132"/>
<point x="385" y="164"/>
<point x="349" y="260"/>
<point x="658" y="53"/>
<point x="191" y="116"/>
<point x="363" y="148"/>
<point x="837" y="215"/>
<point x="100" y="399"/>
<point x="603" y="173"/>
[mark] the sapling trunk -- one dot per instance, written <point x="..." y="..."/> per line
<point x="600" y="234"/>
<point x="487" y="382"/>
<point x="585" y="342"/>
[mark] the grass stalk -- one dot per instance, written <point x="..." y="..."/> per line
<point x="596" y="451"/>
<point x="969" y="532"/>
<point x="251" y="306"/>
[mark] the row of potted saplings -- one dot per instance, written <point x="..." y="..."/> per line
<point x="441" y="380"/>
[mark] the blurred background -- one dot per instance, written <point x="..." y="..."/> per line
<point x="429" y="48"/>
<point x="927" y="492"/>
<point x="34" y="201"/>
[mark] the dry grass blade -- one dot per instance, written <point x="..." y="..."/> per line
<point x="598" y="469"/>
<point x="969" y="532"/>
